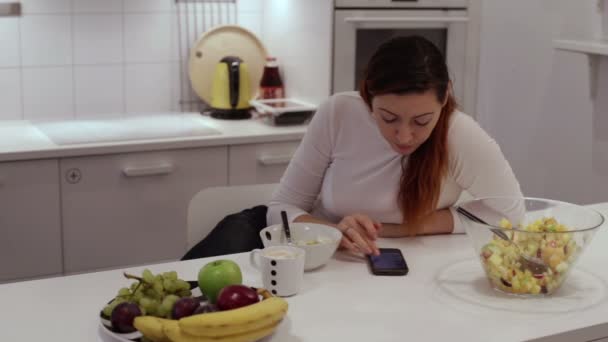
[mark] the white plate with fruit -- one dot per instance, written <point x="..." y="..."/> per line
<point x="163" y="307"/>
<point x="149" y="294"/>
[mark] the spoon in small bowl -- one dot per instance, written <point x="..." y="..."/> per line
<point x="534" y="264"/>
<point x="286" y="227"/>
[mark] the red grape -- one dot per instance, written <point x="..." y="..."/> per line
<point x="123" y="316"/>
<point x="184" y="307"/>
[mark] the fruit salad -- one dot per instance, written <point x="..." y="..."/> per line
<point x="545" y="239"/>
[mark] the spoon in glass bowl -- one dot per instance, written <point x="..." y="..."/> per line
<point x="534" y="264"/>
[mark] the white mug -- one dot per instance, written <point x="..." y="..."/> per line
<point x="282" y="268"/>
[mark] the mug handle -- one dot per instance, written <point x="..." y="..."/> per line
<point x="253" y="259"/>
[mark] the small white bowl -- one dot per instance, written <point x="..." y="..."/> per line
<point x="318" y="240"/>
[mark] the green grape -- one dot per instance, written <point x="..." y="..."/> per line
<point x="124" y="292"/>
<point x="182" y="285"/>
<point x="169" y="285"/>
<point x="147" y="276"/>
<point x="184" y="293"/>
<point x="171" y="299"/>
<point x="158" y="287"/>
<point x="153" y="309"/>
<point x="156" y="294"/>
<point x="151" y="293"/>
<point x="107" y="310"/>
<point x="146" y="303"/>
<point x="166" y="306"/>
<point x="119" y="300"/>
<point x="162" y="311"/>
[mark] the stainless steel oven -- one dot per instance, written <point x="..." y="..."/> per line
<point x="360" y="26"/>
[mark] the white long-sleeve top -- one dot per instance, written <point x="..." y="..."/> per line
<point x="344" y="166"/>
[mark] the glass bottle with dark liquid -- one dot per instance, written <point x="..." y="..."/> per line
<point x="271" y="85"/>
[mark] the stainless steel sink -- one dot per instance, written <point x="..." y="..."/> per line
<point x="167" y="126"/>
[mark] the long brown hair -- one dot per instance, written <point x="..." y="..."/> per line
<point x="405" y="65"/>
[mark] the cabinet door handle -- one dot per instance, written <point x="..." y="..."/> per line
<point x="153" y="170"/>
<point x="277" y="159"/>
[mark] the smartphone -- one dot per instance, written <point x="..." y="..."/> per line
<point x="389" y="262"/>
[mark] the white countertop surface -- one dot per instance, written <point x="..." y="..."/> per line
<point x="23" y="140"/>
<point x="445" y="297"/>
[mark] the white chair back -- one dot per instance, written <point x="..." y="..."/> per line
<point x="208" y="207"/>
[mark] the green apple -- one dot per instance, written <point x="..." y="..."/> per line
<point x="215" y="275"/>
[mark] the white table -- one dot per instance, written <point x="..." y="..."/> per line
<point x="445" y="297"/>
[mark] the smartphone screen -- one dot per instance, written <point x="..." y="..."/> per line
<point x="389" y="262"/>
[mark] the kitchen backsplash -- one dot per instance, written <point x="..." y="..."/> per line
<point x="299" y="33"/>
<point x="67" y="59"/>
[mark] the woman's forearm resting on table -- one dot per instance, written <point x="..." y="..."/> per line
<point x="439" y="222"/>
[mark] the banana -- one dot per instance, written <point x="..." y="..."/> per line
<point x="249" y="318"/>
<point x="152" y="327"/>
<point x="175" y="334"/>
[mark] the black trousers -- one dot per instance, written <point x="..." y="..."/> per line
<point x="235" y="233"/>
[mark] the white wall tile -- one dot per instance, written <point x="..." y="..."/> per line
<point x="75" y="68"/>
<point x="174" y="39"/>
<point x="98" y="39"/>
<point x="98" y="6"/>
<point x="46" y="6"/>
<point x="46" y="40"/>
<point x="176" y="81"/>
<point x="9" y="41"/>
<point x="99" y="91"/>
<point x="252" y="22"/>
<point x="48" y="93"/>
<point x="148" y="5"/>
<point x="182" y="89"/>
<point x="148" y="37"/>
<point x="306" y="28"/>
<point x="250" y="5"/>
<point x="148" y="87"/>
<point x="10" y="94"/>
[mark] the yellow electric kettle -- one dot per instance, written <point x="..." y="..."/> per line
<point x="230" y="90"/>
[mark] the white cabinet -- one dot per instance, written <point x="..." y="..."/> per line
<point x="260" y="163"/>
<point x="30" y="226"/>
<point x="129" y="209"/>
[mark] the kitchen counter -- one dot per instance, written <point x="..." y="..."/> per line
<point x="445" y="297"/>
<point x="25" y="140"/>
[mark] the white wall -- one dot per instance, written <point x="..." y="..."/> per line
<point x="536" y="100"/>
<point x="299" y="34"/>
<point x="94" y="58"/>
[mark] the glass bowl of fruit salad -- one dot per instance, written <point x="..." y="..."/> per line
<point x="528" y="246"/>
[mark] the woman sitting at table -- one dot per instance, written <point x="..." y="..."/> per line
<point x="388" y="161"/>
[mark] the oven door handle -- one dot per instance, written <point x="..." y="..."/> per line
<point x="407" y="19"/>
